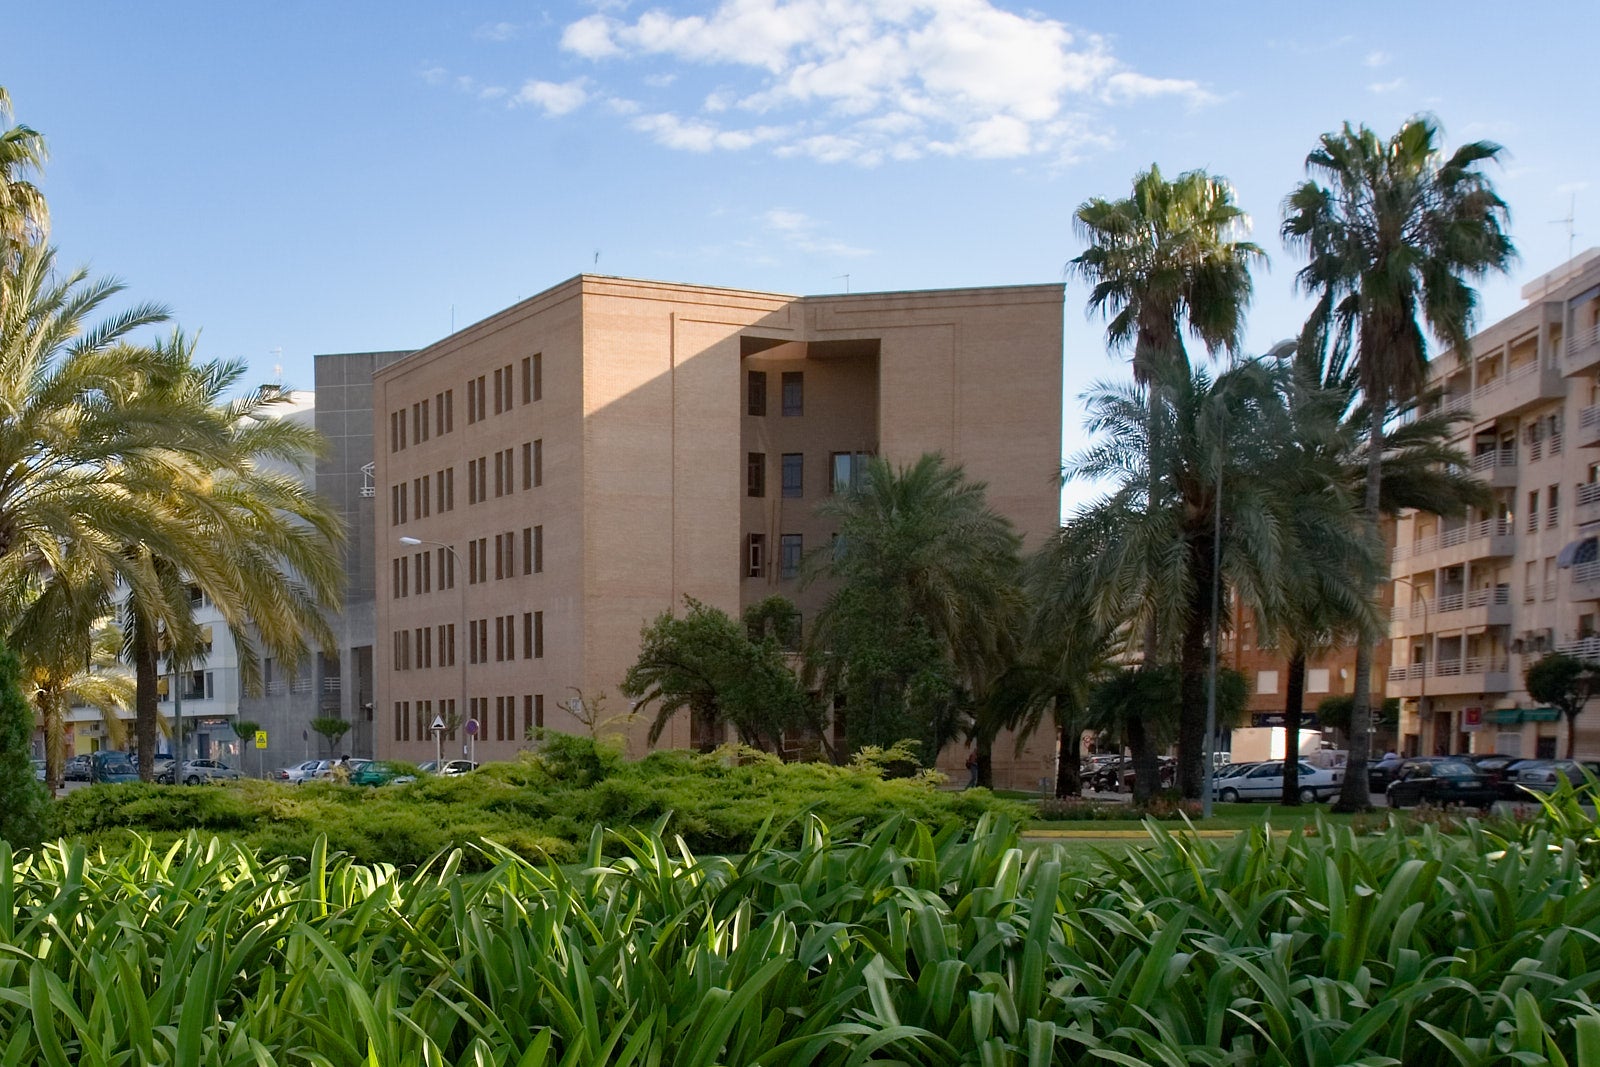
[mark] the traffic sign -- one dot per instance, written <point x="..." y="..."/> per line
<point x="472" y="727"/>
<point x="438" y="723"/>
<point x="261" y="739"/>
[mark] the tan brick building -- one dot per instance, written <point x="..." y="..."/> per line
<point x="574" y="465"/>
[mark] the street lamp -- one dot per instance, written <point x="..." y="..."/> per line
<point x="461" y="597"/>
<point x="1427" y="657"/>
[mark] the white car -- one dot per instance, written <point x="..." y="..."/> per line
<point x="301" y="772"/>
<point x="196" y="771"/>
<point x="1264" y="781"/>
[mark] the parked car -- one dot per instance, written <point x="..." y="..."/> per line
<point x="112" y="766"/>
<point x="1510" y="784"/>
<point x="301" y="772"/>
<point x="1441" y="781"/>
<point x="1118" y="777"/>
<point x="77" y="768"/>
<point x="380" y="772"/>
<point x="1264" y="781"/>
<point x="450" y="768"/>
<point x="39" y="770"/>
<point x="1232" y="770"/>
<point x="349" y="766"/>
<point x="196" y="771"/>
<point x="1381" y="772"/>
<point x="1546" y="775"/>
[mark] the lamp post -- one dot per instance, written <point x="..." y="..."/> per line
<point x="1427" y="635"/>
<point x="1211" y="681"/>
<point x="461" y="599"/>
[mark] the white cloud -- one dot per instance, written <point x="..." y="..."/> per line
<point x="555" y="98"/>
<point x="1387" y="87"/>
<point x="497" y="31"/>
<point x="888" y="79"/>
<point x="799" y="231"/>
<point x="435" y="75"/>
<point x="1378" y="59"/>
<point x="659" y="81"/>
<point x="1567" y="188"/>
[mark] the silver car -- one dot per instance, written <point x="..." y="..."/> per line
<point x="196" y="771"/>
<point x="301" y="772"/>
<point x="1264" y="781"/>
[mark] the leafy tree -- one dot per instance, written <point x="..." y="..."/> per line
<point x="926" y="611"/>
<point x="1564" y="682"/>
<point x="24" y="214"/>
<point x="1334" y="713"/>
<point x="1392" y="241"/>
<point x="332" y="728"/>
<point x="722" y="672"/>
<point x="22" y="798"/>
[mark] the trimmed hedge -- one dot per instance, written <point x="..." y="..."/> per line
<point x="543" y="806"/>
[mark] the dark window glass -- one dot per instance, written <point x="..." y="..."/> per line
<point x="789" y="563"/>
<point x="758" y="392"/>
<point x="794" y="392"/>
<point x="794" y="467"/>
<point x="755" y="474"/>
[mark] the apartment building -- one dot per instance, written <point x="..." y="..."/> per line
<point x="556" y="476"/>
<point x="1481" y="597"/>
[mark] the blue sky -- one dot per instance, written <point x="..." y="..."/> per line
<point x="299" y="178"/>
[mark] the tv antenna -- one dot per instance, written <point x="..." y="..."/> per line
<point x="846" y="278"/>
<point x="1569" y="221"/>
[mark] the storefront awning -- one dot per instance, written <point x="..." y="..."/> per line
<point x="1582" y="550"/>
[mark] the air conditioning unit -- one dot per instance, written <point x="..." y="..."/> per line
<point x="1516" y="647"/>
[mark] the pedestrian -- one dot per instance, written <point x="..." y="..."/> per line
<point x="972" y="769"/>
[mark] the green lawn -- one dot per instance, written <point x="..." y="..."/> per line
<point x="1224" y="817"/>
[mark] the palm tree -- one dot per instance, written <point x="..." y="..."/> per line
<point x="1392" y="241"/>
<point x="1225" y="447"/>
<point x="24" y="215"/>
<point x="258" y="543"/>
<point x="1330" y="604"/>
<point x="925" y="612"/>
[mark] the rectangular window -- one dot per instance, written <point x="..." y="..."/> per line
<point x="449" y="646"/>
<point x="527" y="635"/>
<point x="472" y="641"/>
<point x="538" y="550"/>
<point x="794" y="468"/>
<point x="1317" y="680"/>
<point x="794" y="392"/>
<point x="483" y="640"/>
<point x="538" y="635"/>
<point x="472" y="481"/>
<point x="447" y="569"/>
<point x="499" y="638"/>
<point x="449" y="410"/>
<point x="404" y="508"/>
<point x="499" y="392"/>
<point x="527" y="379"/>
<point x="483" y="478"/>
<point x="402" y="724"/>
<point x="538" y="462"/>
<point x="845" y="468"/>
<point x="789" y="563"/>
<point x="438" y="414"/>
<point x="538" y="375"/>
<point x="449" y="488"/>
<point x="499" y="555"/>
<point x="416" y="422"/>
<point x="394" y="505"/>
<point x="755" y="556"/>
<point x="438" y="492"/>
<point x="394" y="434"/>
<point x="755" y="474"/>
<point x="757" y="390"/>
<point x="416" y="644"/>
<point x="1266" y="682"/>
<point x="527" y="716"/>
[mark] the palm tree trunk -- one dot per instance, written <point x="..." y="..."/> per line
<point x="54" y="741"/>
<point x="1293" y="708"/>
<point x="1146" y="770"/>
<point x="1192" y="710"/>
<point x="1572" y="721"/>
<point x="146" y="672"/>
<point x="1069" y="745"/>
<point x="1354" y="796"/>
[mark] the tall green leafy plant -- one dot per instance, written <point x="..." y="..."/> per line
<point x="23" y="802"/>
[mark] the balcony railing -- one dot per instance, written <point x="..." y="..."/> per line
<point x="1451" y="668"/>
<point x="1550" y="589"/>
<point x="1490" y="458"/>
<point x="1583" y="647"/>
<point x="1581" y="340"/>
<point x="1458" y="535"/>
<point x="1482" y="598"/>
<point x="1555" y="444"/>
<point x="1552" y="517"/>
<point x="1589" y="493"/>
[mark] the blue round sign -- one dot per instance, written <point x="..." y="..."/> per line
<point x="472" y="727"/>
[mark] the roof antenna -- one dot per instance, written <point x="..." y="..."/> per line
<point x="452" y="318"/>
<point x="597" y="257"/>
<point x="1572" y="217"/>
<point x="846" y="278"/>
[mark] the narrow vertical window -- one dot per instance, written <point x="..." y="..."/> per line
<point x="755" y="474"/>
<point x="794" y="471"/>
<point x="538" y="462"/>
<point x="527" y="635"/>
<point x="538" y="635"/>
<point x="538" y="376"/>
<point x="538" y="550"/>
<point x="527" y="465"/>
<point x="756" y="387"/>
<point x="794" y="392"/>
<point x="755" y="556"/>
<point x="789" y="560"/>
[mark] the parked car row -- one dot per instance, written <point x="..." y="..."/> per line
<point x="368" y="772"/>
<point x="1264" y="781"/>
<point x="1505" y="776"/>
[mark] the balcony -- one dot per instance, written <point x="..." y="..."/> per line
<point x="1587" y="504"/>
<point x="1586" y="580"/>
<point x="1452" y="677"/>
<point x="1520" y="387"/>
<point x="1583" y="648"/>
<point x="1453" y="611"/>
<point x="1589" y="427"/>
<point x="1583" y="351"/>
<point x="1498" y="466"/>
<point x="1489" y="539"/>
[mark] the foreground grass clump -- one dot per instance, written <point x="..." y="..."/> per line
<point x="910" y="946"/>
<point x="543" y="806"/>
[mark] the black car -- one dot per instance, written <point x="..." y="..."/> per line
<point x="1508" y="784"/>
<point x="1441" y="781"/>
<point x="1381" y="772"/>
<point x="77" y="768"/>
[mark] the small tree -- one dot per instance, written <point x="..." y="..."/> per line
<point x="712" y="665"/>
<point x="1564" y="682"/>
<point x="22" y="798"/>
<point x="331" y="727"/>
